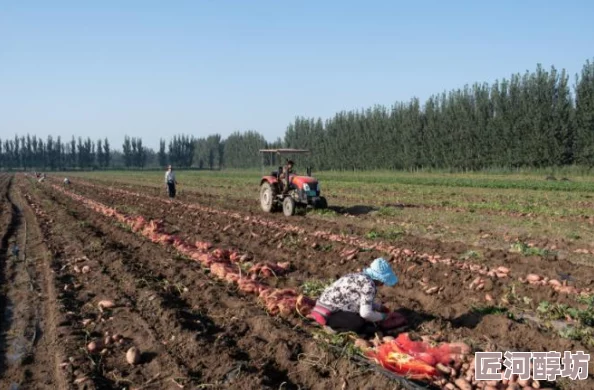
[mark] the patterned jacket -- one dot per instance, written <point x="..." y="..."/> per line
<point x="353" y="293"/>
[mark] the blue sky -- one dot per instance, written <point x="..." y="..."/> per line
<point x="156" y="68"/>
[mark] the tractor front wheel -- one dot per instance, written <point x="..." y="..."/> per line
<point x="289" y="206"/>
<point x="322" y="203"/>
<point x="267" y="197"/>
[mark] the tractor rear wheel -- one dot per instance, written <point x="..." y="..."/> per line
<point x="289" y="206"/>
<point x="267" y="197"/>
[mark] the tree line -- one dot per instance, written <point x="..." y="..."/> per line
<point x="535" y="119"/>
<point x="31" y="152"/>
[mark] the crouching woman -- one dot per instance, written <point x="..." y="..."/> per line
<point x="348" y="304"/>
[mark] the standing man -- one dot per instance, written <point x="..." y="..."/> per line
<point x="170" y="181"/>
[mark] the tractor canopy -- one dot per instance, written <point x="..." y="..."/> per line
<point x="274" y="155"/>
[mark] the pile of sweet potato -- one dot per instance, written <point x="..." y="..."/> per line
<point x="221" y="262"/>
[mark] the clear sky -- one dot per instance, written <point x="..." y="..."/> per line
<point x="158" y="68"/>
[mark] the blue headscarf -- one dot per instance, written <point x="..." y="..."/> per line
<point x="381" y="271"/>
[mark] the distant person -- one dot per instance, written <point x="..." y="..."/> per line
<point x="170" y="181"/>
<point x="66" y="181"/>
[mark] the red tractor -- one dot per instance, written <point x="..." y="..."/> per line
<point x="289" y="191"/>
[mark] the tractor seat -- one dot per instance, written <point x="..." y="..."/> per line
<point x="274" y="173"/>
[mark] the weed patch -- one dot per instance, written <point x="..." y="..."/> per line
<point x="527" y="250"/>
<point x="388" y="234"/>
<point x="314" y="287"/>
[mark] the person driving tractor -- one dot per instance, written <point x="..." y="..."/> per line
<point x="348" y="304"/>
<point x="287" y="170"/>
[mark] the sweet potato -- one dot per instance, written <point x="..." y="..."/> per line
<point x="106" y="304"/>
<point x="533" y="278"/>
<point x="305" y="305"/>
<point x="203" y="245"/>
<point x="284" y="265"/>
<point x="262" y="289"/>
<point x="285" y="308"/>
<point x="208" y="261"/>
<point x="247" y="286"/>
<point x="232" y="277"/>
<point x="219" y="270"/>
<point x="272" y="308"/>
<point x="555" y="283"/>
<point x="138" y="224"/>
<point x="463" y="384"/>
<point x="196" y="256"/>
<point x="221" y="253"/>
<point x="264" y="293"/>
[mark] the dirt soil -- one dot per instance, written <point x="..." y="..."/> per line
<point x="443" y="313"/>
<point x="191" y="330"/>
<point x="194" y="331"/>
<point x="30" y="342"/>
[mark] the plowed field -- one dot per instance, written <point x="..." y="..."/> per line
<point x="101" y="269"/>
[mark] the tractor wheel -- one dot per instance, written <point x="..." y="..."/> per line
<point x="322" y="203"/>
<point x="288" y="206"/>
<point x="267" y="197"/>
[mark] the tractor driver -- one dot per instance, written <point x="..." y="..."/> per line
<point x="287" y="170"/>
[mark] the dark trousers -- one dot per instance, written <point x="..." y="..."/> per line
<point x="344" y="321"/>
<point x="171" y="189"/>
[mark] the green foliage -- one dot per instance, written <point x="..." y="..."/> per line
<point x="388" y="211"/>
<point x="241" y="150"/>
<point x="586" y="299"/>
<point x="209" y="152"/>
<point x="473" y="128"/>
<point x="315" y="287"/>
<point x="181" y="151"/>
<point x="582" y="329"/>
<point x="558" y="311"/>
<point x="323" y="212"/>
<point x="387" y="234"/>
<point x="526" y="250"/>
<point x="135" y="154"/>
<point x="584" y="116"/>
<point x="487" y="310"/>
<point x="343" y="341"/>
